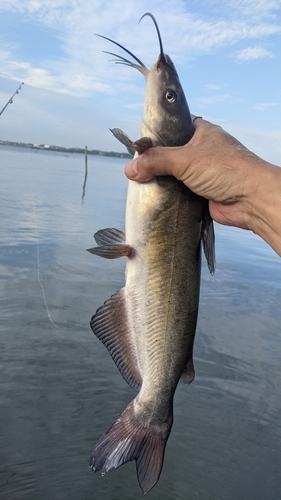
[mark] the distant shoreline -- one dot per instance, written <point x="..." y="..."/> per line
<point x="47" y="147"/>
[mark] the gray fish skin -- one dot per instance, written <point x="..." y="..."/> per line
<point x="149" y="325"/>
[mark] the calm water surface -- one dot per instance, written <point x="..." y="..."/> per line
<point x="59" y="389"/>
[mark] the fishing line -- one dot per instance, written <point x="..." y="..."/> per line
<point x="38" y="253"/>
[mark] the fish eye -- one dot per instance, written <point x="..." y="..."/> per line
<point x="171" y="95"/>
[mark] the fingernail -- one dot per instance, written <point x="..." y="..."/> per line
<point x="131" y="168"/>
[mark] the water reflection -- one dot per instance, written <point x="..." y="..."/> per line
<point x="85" y="178"/>
<point x="60" y="390"/>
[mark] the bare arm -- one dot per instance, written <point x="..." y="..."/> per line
<point x="243" y="190"/>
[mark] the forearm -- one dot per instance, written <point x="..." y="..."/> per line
<point x="264" y="209"/>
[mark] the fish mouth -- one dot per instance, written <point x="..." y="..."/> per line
<point x="163" y="60"/>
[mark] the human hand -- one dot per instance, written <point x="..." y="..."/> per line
<point x="213" y="165"/>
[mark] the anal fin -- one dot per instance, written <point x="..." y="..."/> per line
<point x="110" y="325"/>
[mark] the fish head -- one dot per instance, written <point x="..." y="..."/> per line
<point x="166" y="117"/>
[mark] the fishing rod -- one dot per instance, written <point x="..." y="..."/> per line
<point x="10" y="101"/>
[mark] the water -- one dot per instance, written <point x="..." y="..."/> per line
<point x="59" y="389"/>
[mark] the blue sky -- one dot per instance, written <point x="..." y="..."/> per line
<point x="227" y="54"/>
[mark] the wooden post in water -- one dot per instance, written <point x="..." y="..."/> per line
<point x="86" y="160"/>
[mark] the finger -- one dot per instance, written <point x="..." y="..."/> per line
<point x="195" y="117"/>
<point x="198" y="119"/>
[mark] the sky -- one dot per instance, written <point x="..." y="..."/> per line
<point x="227" y="54"/>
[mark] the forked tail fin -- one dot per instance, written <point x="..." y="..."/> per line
<point x="131" y="438"/>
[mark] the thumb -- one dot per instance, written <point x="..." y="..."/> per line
<point x="153" y="162"/>
<point x="165" y="160"/>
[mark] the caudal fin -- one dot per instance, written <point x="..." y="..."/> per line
<point x="132" y="439"/>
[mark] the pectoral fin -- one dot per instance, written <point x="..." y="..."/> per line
<point x="138" y="146"/>
<point x="208" y="240"/>
<point x="111" y="244"/>
<point x="109" y="235"/>
<point x="124" y="139"/>
<point x="142" y="144"/>
<point x="113" y="251"/>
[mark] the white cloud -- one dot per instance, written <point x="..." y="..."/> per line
<point x="74" y="22"/>
<point x="212" y="100"/>
<point x="64" y="83"/>
<point x="74" y="67"/>
<point x="266" y="105"/>
<point x="138" y="105"/>
<point x="212" y="86"/>
<point x="257" y="8"/>
<point x="252" y="53"/>
<point x="208" y="35"/>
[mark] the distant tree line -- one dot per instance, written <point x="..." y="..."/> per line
<point x="47" y="147"/>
